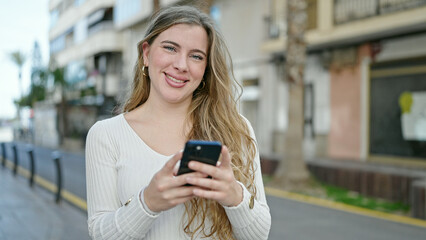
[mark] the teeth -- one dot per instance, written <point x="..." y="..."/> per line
<point x="175" y="80"/>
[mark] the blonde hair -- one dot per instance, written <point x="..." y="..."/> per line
<point x="213" y="112"/>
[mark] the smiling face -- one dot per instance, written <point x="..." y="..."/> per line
<point x="176" y="61"/>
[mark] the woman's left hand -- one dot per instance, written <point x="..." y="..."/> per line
<point x="222" y="187"/>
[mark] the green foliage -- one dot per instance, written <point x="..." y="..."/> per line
<point x="267" y="179"/>
<point x="18" y="58"/>
<point x="38" y="86"/>
<point x="90" y="91"/>
<point x="37" y="89"/>
<point x="58" y="74"/>
<point x="352" y="198"/>
<point x="337" y="194"/>
<point x="37" y="93"/>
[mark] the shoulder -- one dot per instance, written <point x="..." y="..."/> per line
<point x="245" y="119"/>
<point x="105" y="126"/>
<point x="248" y="124"/>
<point x="109" y="122"/>
<point x="112" y="121"/>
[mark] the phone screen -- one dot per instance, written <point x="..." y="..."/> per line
<point x="202" y="151"/>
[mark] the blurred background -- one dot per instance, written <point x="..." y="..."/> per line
<point x="335" y="89"/>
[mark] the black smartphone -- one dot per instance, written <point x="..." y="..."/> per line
<point x="202" y="151"/>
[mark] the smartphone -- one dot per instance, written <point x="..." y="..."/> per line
<point x="202" y="151"/>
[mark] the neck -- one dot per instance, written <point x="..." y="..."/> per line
<point x="165" y="112"/>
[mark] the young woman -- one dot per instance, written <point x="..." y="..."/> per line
<point x="182" y="90"/>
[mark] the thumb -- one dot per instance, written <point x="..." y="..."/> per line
<point x="225" y="159"/>
<point x="171" y="163"/>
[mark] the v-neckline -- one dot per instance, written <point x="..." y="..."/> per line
<point x="140" y="138"/>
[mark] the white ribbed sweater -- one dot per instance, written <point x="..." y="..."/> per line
<point x="119" y="165"/>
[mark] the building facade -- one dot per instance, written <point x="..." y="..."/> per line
<point x="96" y="41"/>
<point x="84" y="41"/>
<point x="364" y="75"/>
<point x="366" y="66"/>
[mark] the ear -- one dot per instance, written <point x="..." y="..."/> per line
<point x="145" y="49"/>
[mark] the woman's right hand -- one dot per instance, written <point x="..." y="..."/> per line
<point x="167" y="190"/>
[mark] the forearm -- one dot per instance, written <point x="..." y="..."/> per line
<point x="249" y="223"/>
<point x="131" y="221"/>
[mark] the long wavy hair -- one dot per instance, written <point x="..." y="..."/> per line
<point x="213" y="112"/>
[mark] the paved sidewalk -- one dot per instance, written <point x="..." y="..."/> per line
<point x="31" y="213"/>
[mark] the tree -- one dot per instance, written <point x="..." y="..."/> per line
<point x="18" y="58"/>
<point x="206" y="5"/>
<point x="36" y="61"/>
<point x="37" y="88"/>
<point x="39" y="76"/>
<point x="156" y="5"/>
<point x="60" y="82"/>
<point x="292" y="172"/>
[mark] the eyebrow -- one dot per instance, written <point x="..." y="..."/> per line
<point x="177" y="45"/>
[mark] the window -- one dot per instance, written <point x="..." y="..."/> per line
<point x="126" y="9"/>
<point x="54" y="15"/>
<point x="58" y="44"/>
<point x="78" y="2"/>
<point x="80" y="31"/>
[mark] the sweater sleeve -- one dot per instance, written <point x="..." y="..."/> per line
<point x="252" y="223"/>
<point x="107" y="218"/>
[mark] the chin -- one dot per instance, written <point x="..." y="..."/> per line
<point x="174" y="99"/>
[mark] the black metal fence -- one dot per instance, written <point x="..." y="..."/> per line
<point x="56" y="157"/>
<point x="350" y="10"/>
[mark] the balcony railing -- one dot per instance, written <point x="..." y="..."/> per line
<point x="350" y="10"/>
<point x="276" y="24"/>
<point x="101" y="26"/>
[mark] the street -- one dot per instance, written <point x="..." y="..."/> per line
<point x="296" y="220"/>
<point x="290" y="219"/>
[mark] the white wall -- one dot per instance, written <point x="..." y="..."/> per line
<point x="320" y="77"/>
<point x="45" y="131"/>
<point x="404" y="47"/>
<point x="242" y="24"/>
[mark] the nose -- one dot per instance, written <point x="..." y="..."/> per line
<point x="180" y="63"/>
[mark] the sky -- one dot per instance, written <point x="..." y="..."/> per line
<point x="22" y="22"/>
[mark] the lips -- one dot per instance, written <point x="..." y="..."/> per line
<point x="174" y="81"/>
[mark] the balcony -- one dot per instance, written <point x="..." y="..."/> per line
<point x="276" y="26"/>
<point x="70" y="16"/>
<point x="348" y="10"/>
<point x="368" y="23"/>
<point x="103" y="26"/>
<point x="345" y="22"/>
<point x="130" y="12"/>
<point x="101" y="41"/>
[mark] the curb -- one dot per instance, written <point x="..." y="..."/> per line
<point x="344" y="207"/>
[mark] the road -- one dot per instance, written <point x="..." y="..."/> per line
<point x="290" y="219"/>
<point x="73" y="166"/>
<point x="297" y="220"/>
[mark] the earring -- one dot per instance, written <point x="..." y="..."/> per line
<point x="203" y="84"/>
<point x="143" y="71"/>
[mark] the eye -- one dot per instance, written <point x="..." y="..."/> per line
<point x="169" y="48"/>
<point x="197" y="57"/>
